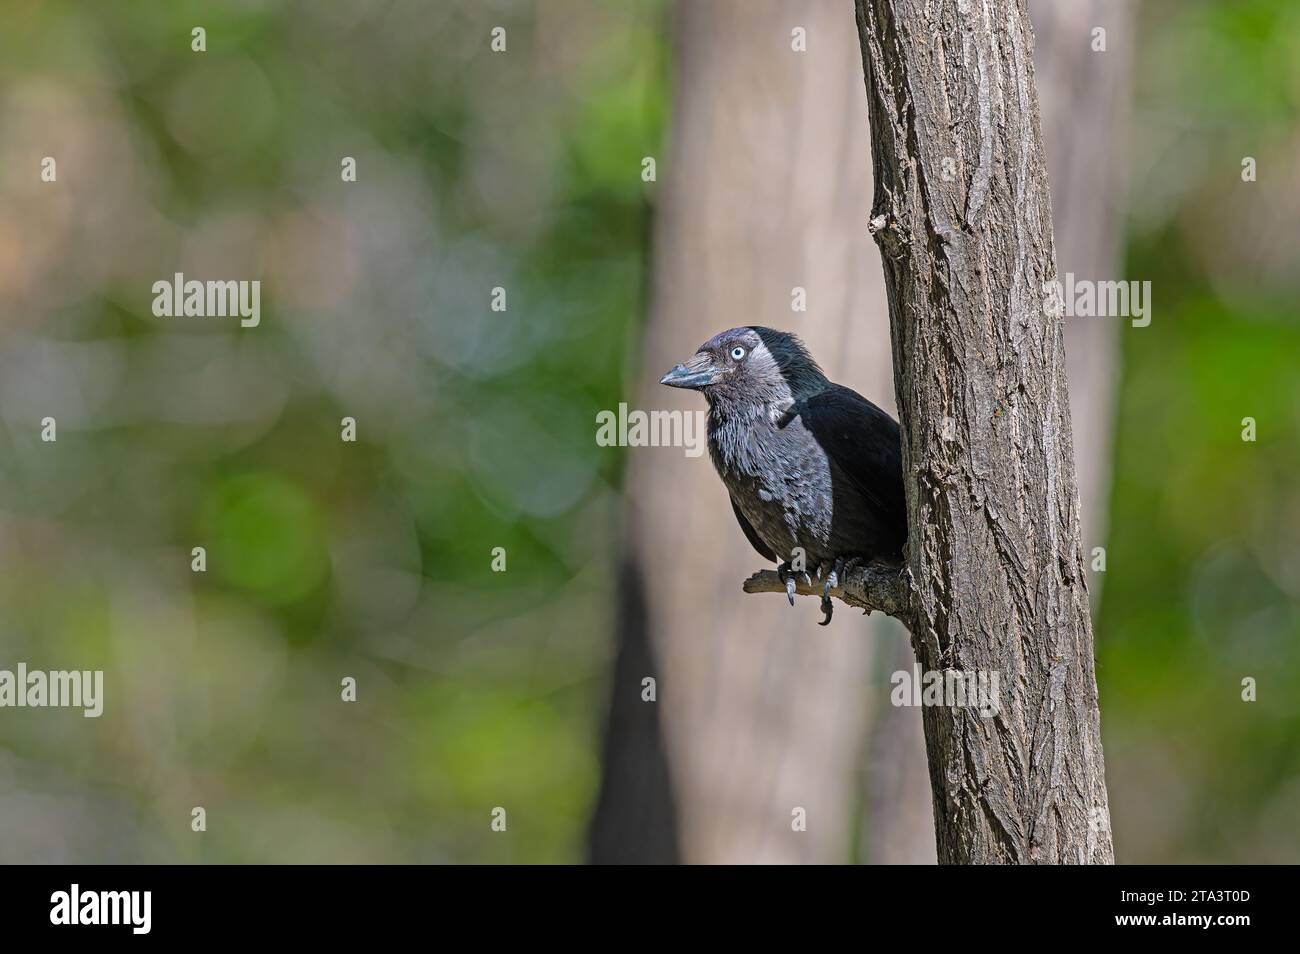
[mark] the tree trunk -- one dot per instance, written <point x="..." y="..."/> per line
<point x="1083" y="97"/>
<point x="963" y="220"/>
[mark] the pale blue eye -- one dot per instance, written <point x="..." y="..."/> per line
<point x="737" y="353"/>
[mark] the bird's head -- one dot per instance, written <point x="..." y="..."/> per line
<point x="749" y="365"/>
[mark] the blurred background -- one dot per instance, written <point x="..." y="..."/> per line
<point x="523" y="170"/>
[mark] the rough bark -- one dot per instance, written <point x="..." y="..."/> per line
<point x="962" y="216"/>
<point x="1083" y="98"/>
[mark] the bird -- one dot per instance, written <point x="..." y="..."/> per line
<point x="813" y="469"/>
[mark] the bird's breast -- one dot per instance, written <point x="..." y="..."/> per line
<point x="779" y="477"/>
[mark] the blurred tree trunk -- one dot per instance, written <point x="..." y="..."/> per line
<point x="962" y="216"/>
<point x="759" y="710"/>
<point x="1084" y="97"/>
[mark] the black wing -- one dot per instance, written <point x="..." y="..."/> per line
<point x="763" y="549"/>
<point x="863" y="442"/>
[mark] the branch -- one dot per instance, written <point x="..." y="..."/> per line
<point x="870" y="587"/>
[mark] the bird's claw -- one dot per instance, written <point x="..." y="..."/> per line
<point x="786" y="574"/>
<point x="832" y="579"/>
<point x="830" y="574"/>
<point x="790" y="578"/>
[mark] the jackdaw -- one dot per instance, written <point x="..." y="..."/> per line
<point x="808" y="463"/>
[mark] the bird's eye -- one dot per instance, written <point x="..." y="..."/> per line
<point x="737" y="353"/>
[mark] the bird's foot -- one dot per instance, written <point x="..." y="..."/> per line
<point x="838" y="568"/>
<point x="790" y="577"/>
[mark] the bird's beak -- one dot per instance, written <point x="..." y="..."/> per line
<point x="697" y="373"/>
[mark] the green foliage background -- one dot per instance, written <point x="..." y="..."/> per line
<point x="372" y="560"/>
<point x="1203" y="567"/>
